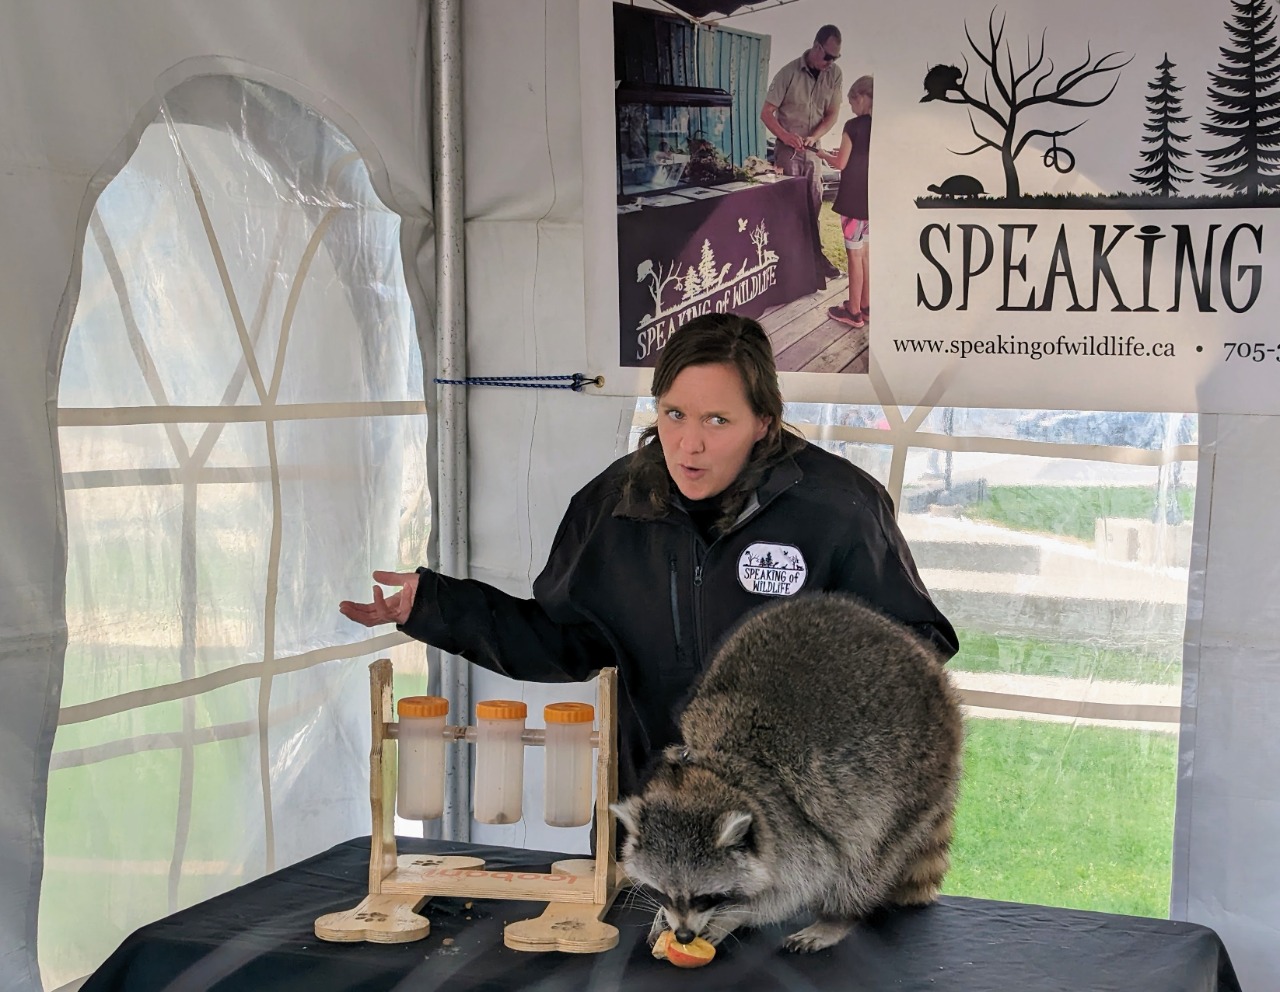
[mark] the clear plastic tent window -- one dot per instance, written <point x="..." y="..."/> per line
<point x="1058" y="543"/>
<point x="242" y="439"/>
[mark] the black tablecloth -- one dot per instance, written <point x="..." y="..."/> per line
<point x="260" y="937"/>
<point x="742" y="251"/>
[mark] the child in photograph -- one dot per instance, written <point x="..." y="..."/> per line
<point x="852" y="160"/>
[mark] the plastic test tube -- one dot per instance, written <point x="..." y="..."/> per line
<point x="568" y="769"/>
<point x="499" y="760"/>
<point x="420" y="786"/>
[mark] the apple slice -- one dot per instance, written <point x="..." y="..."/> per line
<point x="691" y="955"/>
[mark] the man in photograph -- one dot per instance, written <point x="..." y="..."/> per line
<point x="803" y="101"/>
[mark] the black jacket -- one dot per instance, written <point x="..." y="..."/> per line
<point x="627" y="586"/>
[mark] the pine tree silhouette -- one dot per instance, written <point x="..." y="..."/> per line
<point x="707" y="275"/>
<point x="1162" y="174"/>
<point x="691" y="284"/>
<point x="1247" y="99"/>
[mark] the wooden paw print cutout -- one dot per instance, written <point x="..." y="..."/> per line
<point x="388" y="918"/>
<point x="572" y="927"/>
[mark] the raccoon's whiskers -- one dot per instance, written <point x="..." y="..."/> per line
<point x="639" y="898"/>
<point x="720" y="933"/>
<point x="745" y="910"/>
<point x="645" y="902"/>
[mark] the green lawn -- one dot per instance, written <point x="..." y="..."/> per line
<point x="982" y="652"/>
<point x="1069" y="511"/>
<point x="1066" y="816"/>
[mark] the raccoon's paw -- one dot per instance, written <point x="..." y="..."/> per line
<point x="655" y="929"/>
<point x="817" y="936"/>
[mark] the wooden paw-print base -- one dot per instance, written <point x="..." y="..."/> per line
<point x="572" y="927"/>
<point x="388" y="918"/>
<point x="381" y="919"/>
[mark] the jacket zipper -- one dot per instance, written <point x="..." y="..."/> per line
<point x="675" y="608"/>
<point x="703" y="648"/>
<point x="697" y="616"/>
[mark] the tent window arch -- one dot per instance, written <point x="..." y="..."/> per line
<point x="242" y="429"/>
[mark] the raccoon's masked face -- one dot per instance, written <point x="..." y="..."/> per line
<point x="697" y="857"/>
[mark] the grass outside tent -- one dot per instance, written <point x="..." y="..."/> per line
<point x="1060" y="815"/>
<point x="1054" y="813"/>
<point x="982" y="652"/>
<point x="1070" y="511"/>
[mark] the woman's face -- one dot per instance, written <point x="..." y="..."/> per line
<point x="707" y="429"/>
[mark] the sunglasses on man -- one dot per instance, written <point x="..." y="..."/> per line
<point x="828" y="57"/>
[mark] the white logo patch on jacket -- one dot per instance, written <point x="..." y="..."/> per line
<point x="772" y="569"/>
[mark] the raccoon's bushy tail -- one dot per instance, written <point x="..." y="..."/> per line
<point x="924" y="870"/>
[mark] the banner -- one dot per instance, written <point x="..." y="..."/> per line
<point x="1064" y="206"/>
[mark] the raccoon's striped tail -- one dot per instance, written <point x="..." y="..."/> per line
<point x="923" y="873"/>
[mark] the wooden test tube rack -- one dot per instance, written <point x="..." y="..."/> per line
<point x="578" y="892"/>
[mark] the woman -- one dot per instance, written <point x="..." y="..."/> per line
<point x="661" y="555"/>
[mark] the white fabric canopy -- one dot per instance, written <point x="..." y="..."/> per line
<point x="84" y="82"/>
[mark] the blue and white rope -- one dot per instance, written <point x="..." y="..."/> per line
<point x="577" y="382"/>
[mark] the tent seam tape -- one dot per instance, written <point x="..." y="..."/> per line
<point x="122" y="416"/>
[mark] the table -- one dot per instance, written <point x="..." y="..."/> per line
<point x="742" y="250"/>
<point x="259" y="937"/>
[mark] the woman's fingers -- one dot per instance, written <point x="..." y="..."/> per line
<point x="384" y="609"/>
<point x="362" y="613"/>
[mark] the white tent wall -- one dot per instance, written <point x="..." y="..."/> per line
<point x="81" y="81"/>
<point x="530" y="449"/>
<point x="1226" y="867"/>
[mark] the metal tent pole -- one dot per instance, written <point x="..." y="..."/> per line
<point x="451" y="351"/>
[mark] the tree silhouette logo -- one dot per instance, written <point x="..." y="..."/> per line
<point x="1003" y="93"/>
<point x="772" y="569"/>
<point x="674" y="291"/>
<point x="1161" y="172"/>
<point x="1010" y="94"/>
<point x="1244" y="110"/>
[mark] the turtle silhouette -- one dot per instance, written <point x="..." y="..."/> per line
<point x="956" y="187"/>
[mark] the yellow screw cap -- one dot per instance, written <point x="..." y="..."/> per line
<point x="569" y="713"/>
<point x="501" y="709"/>
<point x="420" y="706"/>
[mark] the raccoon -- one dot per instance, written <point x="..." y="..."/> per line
<point x="819" y="773"/>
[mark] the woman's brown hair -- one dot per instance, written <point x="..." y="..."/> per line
<point x="718" y="339"/>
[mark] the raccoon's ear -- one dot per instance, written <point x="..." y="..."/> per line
<point x="732" y="829"/>
<point x="628" y="814"/>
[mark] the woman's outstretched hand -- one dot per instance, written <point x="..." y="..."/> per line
<point x="389" y="609"/>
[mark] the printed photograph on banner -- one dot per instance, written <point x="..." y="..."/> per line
<point x="743" y="150"/>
